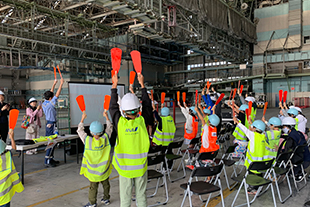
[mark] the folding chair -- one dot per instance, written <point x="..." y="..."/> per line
<point x="228" y="162"/>
<point x="202" y="187"/>
<point x="155" y="149"/>
<point x="255" y="181"/>
<point x="279" y="172"/>
<point x="194" y="150"/>
<point x="172" y="157"/>
<point x="157" y="174"/>
<point x="295" y="161"/>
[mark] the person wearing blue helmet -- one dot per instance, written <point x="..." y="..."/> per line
<point x="206" y="113"/>
<point x="191" y="123"/>
<point x="96" y="163"/>
<point x="256" y="146"/>
<point x="289" y="112"/>
<point x="240" y="137"/>
<point x="209" y="134"/>
<point x="165" y="131"/>
<point x="273" y="135"/>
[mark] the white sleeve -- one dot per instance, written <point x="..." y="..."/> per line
<point x="205" y="138"/>
<point x="250" y="135"/>
<point x="81" y="132"/>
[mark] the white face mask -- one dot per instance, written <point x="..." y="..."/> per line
<point x="285" y="130"/>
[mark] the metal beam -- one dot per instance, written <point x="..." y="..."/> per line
<point x="28" y="20"/>
<point x="77" y="5"/>
<point x="103" y="14"/>
<point x="127" y="21"/>
<point x="4" y="8"/>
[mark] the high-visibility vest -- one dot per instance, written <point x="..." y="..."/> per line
<point x="132" y="146"/>
<point x="259" y="152"/>
<point x="194" y="132"/>
<point x="297" y="122"/>
<point x="272" y="139"/>
<point x="166" y="135"/>
<point x="9" y="179"/>
<point x="253" y="114"/>
<point x="96" y="163"/>
<point x="206" y="118"/>
<point x="239" y="134"/>
<point x="211" y="136"/>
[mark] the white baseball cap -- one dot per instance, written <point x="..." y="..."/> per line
<point x="32" y="100"/>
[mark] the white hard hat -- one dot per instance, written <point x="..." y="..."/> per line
<point x="1" y="93"/>
<point x="32" y="100"/>
<point x="253" y="99"/>
<point x="249" y="98"/>
<point x="297" y="108"/>
<point x="213" y="98"/>
<point x="288" y="121"/>
<point x="149" y="92"/>
<point x="130" y="102"/>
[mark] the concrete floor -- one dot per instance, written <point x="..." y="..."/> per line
<point x="63" y="186"/>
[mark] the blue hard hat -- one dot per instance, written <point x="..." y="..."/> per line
<point x="2" y="146"/>
<point x="214" y="120"/>
<point x="207" y="111"/>
<point x="275" y="121"/>
<point x="292" y="111"/>
<point x="96" y="128"/>
<point x="193" y="109"/>
<point x="243" y="107"/>
<point x="165" y="111"/>
<point x="259" y="124"/>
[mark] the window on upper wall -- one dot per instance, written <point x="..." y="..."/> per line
<point x="306" y="39"/>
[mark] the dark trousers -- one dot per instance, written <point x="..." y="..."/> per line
<point x="48" y="132"/>
<point x="4" y="129"/>
<point x="93" y="190"/>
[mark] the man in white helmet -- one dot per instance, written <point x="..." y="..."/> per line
<point x="4" y="122"/>
<point x="132" y="144"/>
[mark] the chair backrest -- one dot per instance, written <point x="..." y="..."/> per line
<point x="207" y="171"/>
<point x="174" y="145"/>
<point x="298" y="154"/>
<point x="195" y="140"/>
<point x="283" y="156"/>
<point x="207" y="155"/>
<point x="231" y="149"/>
<point x="154" y="149"/>
<point x="261" y="165"/>
<point x="154" y="160"/>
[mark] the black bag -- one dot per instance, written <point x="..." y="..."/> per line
<point x="24" y="142"/>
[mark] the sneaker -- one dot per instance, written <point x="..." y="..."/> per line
<point x="105" y="202"/>
<point x="298" y="178"/>
<point x="29" y="152"/>
<point x="90" y="205"/>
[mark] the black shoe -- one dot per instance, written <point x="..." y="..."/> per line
<point x="55" y="161"/>
<point x="298" y="178"/>
<point x="51" y="164"/>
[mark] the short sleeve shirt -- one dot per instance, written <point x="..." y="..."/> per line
<point x="49" y="109"/>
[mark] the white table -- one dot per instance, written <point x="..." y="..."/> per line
<point x="64" y="139"/>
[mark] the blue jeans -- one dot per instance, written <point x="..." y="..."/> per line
<point x="49" y="152"/>
<point x="6" y="205"/>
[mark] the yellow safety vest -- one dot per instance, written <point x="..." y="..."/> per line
<point x="296" y="126"/>
<point x="44" y="139"/>
<point x="239" y="134"/>
<point x="165" y="137"/>
<point x="253" y="114"/>
<point x="259" y="153"/>
<point x="96" y="163"/>
<point x="9" y="179"/>
<point x="132" y="146"/>
<point x="206" y="121"/>
<point x="272" y="139"/>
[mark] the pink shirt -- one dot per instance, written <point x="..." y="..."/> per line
<point x="32" y="114"/>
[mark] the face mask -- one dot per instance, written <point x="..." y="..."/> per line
<point x="285" y="130"/>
